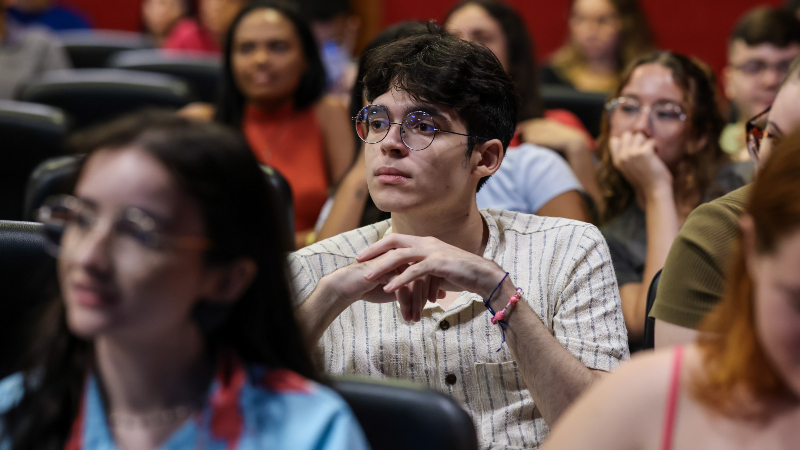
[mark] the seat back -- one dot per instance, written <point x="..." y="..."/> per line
<point x="588" y="106"/>
<point x="649" y="322"/>
<point x="91" y="49"/>
<point x="51" y="177"/>
<point x="286" y="202"/>
<point x="90" y="96"/>
<point x="26" y="273"/>
<point x="401" y="416"/>
<point x="202" y="71"/>
<point x="29" y="134"/>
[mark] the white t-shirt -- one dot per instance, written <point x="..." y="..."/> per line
<point x="529" y="177"/>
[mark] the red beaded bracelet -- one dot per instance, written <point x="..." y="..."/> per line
<point x="512" y="302"/>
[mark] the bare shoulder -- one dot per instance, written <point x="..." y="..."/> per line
<point x="623" y="410"/>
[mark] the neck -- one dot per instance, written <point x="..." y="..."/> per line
<point x="139" y="376"/>
<point x="272" y="106"/>
<point x="602" y="65"/>
<point x="464" y="228"/>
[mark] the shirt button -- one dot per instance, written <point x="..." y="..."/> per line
<point x="444" y="325"/>
<point x="450" y="379"/>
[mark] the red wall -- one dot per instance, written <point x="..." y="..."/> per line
<point x="696" y="27"/>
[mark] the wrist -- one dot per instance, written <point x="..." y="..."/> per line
<point x="333" y="299"/>
<point x="659" y="193"/>
<point x="503" y="295"/>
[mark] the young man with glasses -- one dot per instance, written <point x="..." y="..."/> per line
<point x="760" y="50"/>
<point x="693" y="277"/>
<point x="404" y="298"/>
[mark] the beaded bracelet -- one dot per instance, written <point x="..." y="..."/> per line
<point x="512" y="302"/>
<point x="498" y="320"/>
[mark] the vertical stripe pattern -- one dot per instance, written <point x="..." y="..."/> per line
<point x="563" y="266"/>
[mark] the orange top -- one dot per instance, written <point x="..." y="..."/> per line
<point x="291" y="142"/>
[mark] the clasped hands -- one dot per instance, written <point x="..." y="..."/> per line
<point x="414" y="270"/>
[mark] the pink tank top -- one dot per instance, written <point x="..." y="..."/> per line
<point x="672" y="400"/>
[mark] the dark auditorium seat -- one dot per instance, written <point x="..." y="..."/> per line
<point x="51" y="177"/>
<point x="588" y="106"/>
<point x="281" y="186"/>
<point x="29" y="134"/>
<point x="650" y="323"/>
<point x="93" y="95"/>
<point x="26" y="274"/>
<point x="91" y="49"/>
<point x="201" y="70"/>
<point x="400" y="416"/>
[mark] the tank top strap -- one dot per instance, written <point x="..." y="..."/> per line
<point x="672" y="399"/>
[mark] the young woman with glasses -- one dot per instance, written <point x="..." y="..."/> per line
<point x="173" y="327"/>
<point x="660" y="158"/>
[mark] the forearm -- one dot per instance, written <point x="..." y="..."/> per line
<point x="348" y="205"/>
<point x="580" y="161"/>
<point x="662" y="225"/>
<point x="319" y="311"/>
<point x="553" y="376"/>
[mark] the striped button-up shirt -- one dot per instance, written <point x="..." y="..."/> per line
<point x="565" y="270"/>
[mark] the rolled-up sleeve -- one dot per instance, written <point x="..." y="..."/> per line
<point x="588" y="319"/>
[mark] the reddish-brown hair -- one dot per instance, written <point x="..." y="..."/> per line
<point x="735" y="368"/>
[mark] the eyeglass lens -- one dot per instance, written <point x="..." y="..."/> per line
<point x="67" y="219"/>
<point x="665" y="118"/>
<point x="755" y="134"/>
<point x="417" y="129"/>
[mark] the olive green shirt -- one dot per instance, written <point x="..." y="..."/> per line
<point x="694" y="275"/>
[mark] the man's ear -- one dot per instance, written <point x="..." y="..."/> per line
<point x="226" y="283"/>
<point x="486" y="158"/>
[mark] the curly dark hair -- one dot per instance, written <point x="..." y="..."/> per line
<point x="699" y="166"/>
<point x="441" y="69"/>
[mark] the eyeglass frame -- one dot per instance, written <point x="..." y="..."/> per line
<point x="754" y="147"/>
<point x="163" y="240"/>
<point x="777" y="67"/>
<point x="435" y="128"/>
<point x="611" y="104"/>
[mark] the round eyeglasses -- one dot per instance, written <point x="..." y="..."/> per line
<point x="417" y="129"/>
<point x="665" y="118"/>
<point x="70" y="219"/>
<point x="757" y="136"/>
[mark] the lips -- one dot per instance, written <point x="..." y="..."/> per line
<point x="391" y="176"/>
<point x="90" y="295"/>
<point x="391" y="171"/>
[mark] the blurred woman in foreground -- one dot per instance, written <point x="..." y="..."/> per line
<point x="738" y="386"/>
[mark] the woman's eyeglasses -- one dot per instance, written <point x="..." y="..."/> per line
<point x="417" y="129"/>
<point x="67" y="218"/>
<point x="757" y="136"/>
<point x="665" y="118"/>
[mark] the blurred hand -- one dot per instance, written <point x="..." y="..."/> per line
<point x="199" y="111"/>
<point x="635" y="157"/>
